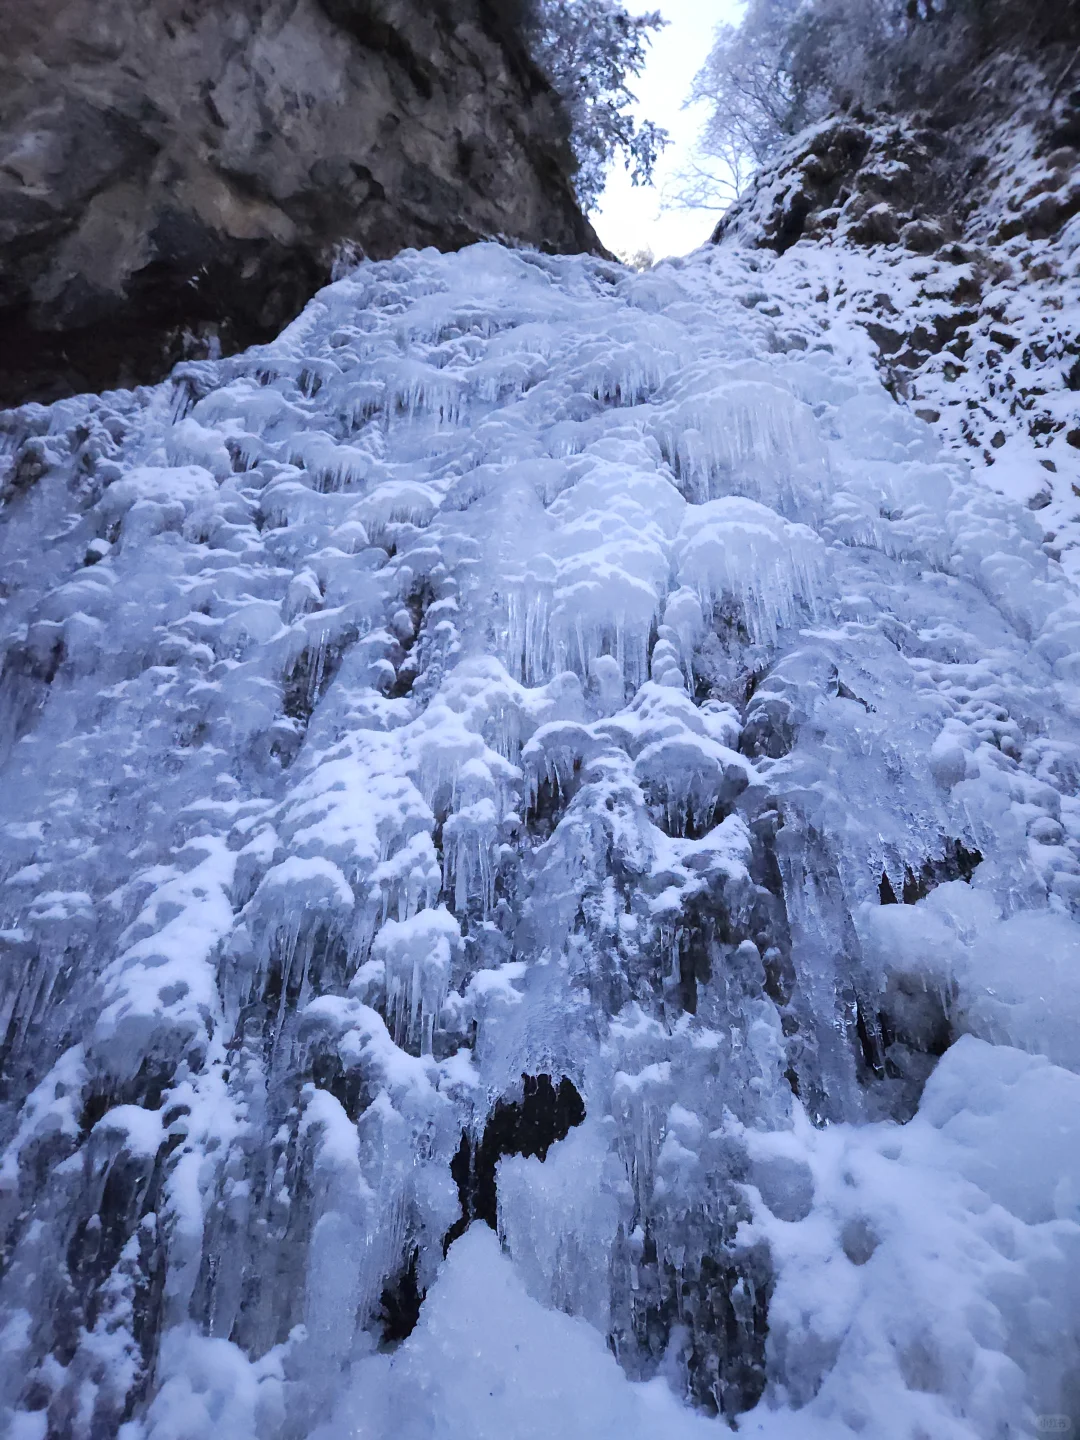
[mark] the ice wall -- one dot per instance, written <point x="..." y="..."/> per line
<point x="541" y="727"/>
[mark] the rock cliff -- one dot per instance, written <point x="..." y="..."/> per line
<point x="951" y="235"/>
<point x="176" y="176"/>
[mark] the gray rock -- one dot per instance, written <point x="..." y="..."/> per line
<point x="876" y="226"/>
<point x="176" y="178"/>
<point x="922" y="236"/>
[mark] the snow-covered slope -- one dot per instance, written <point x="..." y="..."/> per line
<point x="550" y="746"/>
<point x="953" y="239"/>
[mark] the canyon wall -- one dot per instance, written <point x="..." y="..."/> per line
<point x="176" y="177"/>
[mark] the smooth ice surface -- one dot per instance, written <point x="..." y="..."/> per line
<point x="527" y="668"/>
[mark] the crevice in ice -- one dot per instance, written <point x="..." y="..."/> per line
<point x="698" y="1310"/>
<point x="721" y="658"/>
<point x="690" y="784"/>
<point x="346" y="1083"/>
<point x="34" y="985"/>
<point x="113" y="1279"/>
<point x="548" y="800"/>
<point x="736" y="550"/>
<point x="904" y="1033"/>
<point x="399" y="1304"/>
<point x="529" y="1125"/>
<point x="553" y="760"/>
<point x="703" y="924"/>
<point x="146" y="1088"/>
<point x="301" y="952"/>
<point x="24" y="685"/>
<point x="957" y="862"/>
<point x="407" y="624"/>
<point x="310" y="675"/>
<point x="770" y="723"/>
<point x="844" y="692"/>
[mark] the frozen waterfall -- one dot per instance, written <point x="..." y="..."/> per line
<point x="545" y="748"/>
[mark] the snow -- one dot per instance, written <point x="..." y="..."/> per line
<point x="488" y="1361"/>
<point x="977" y="339"/>
<point x="526" y="668"/>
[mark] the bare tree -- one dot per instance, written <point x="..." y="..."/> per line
<point x="789" y="63"/>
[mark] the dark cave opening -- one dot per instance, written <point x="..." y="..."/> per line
<point x="529" y="1125"/>
<point x="399" y="1305"/>
<point x="545" y="1113"/>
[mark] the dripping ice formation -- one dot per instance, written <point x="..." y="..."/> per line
<point x="552" y="747"/>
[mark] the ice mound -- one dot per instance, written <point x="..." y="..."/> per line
<point x="487" y="1362"/>
<point x="744" y="551"/>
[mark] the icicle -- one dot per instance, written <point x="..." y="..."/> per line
<point x="418" y="955"/>
<point x="739" y="548"/>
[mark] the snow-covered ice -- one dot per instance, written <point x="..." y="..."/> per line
<point x="557" y="747"/>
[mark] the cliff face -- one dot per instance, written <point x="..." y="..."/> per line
<point x="951" y="235"/>
<point x="176" y="175"/>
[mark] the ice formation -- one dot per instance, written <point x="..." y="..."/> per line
<point x="551" y="747"/>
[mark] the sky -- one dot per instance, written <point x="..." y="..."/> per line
<point x="631" y="218"/>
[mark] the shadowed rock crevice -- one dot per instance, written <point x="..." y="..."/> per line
<point x="957" y="862"/>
